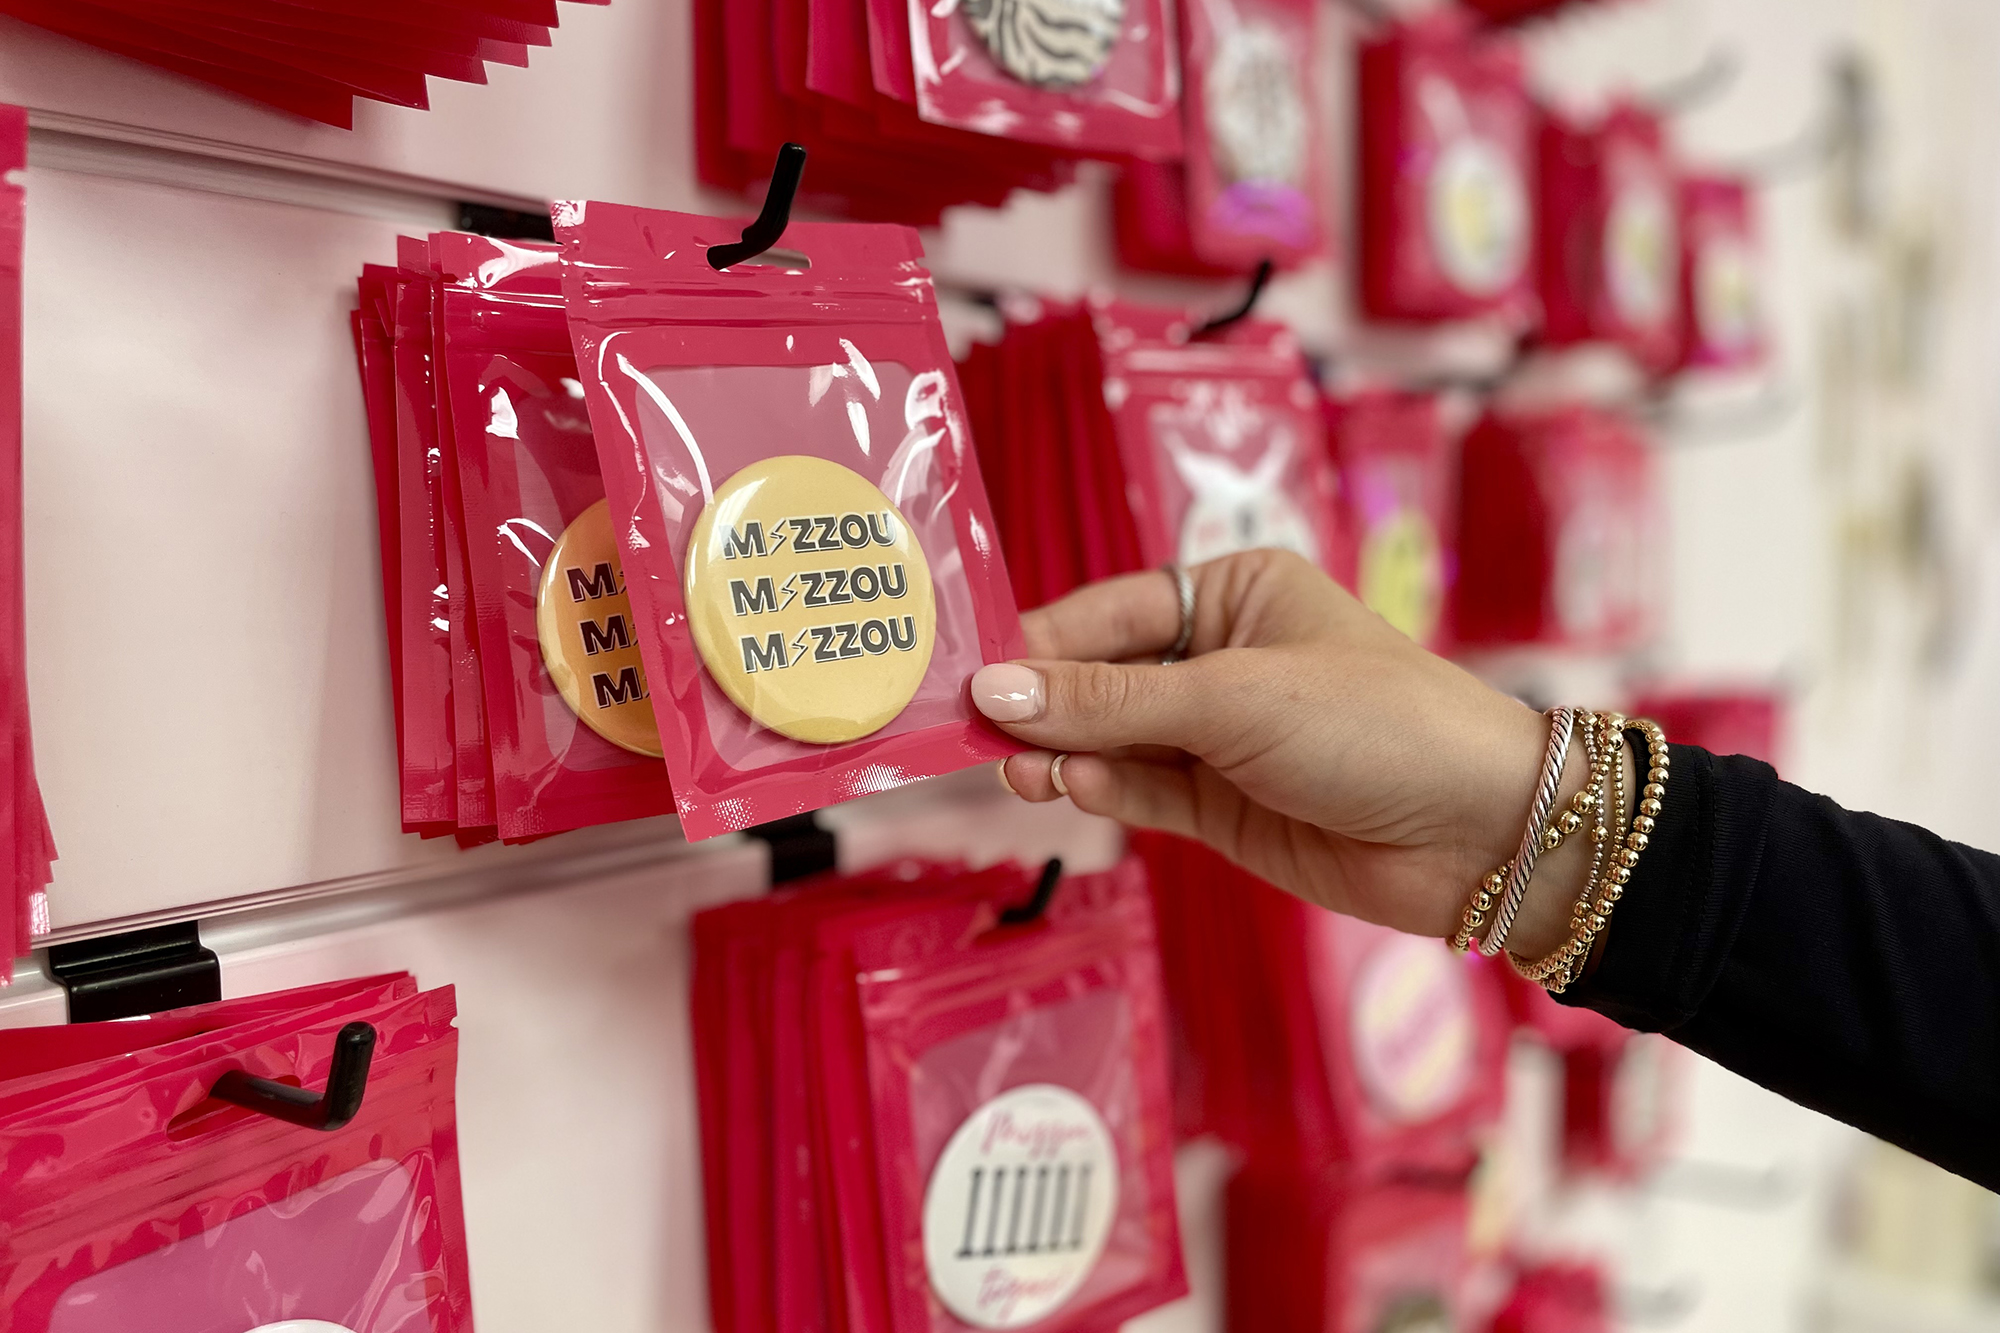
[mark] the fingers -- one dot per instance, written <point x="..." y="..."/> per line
<point x="1134" y="792"/>
<point x="1103" y="706"/>
<point x="1134" y="616"/>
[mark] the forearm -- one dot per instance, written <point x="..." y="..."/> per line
<point x="1848" y="962"/>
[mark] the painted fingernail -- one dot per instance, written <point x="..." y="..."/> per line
<point x="1001" y="769"/>
<point x="1007" y="692"/>
<point x="1056" y="777"/>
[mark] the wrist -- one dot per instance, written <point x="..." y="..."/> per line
<point x="1561" y="876"/>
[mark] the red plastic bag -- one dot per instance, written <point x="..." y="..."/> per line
<point x="1320" y="1250"/>
<point x="1559" y="532"/>
<point x="1609" y="236"/>
<point x="1221" y="438"/>
<point x="1447" y="171"/>
<point x="1093" y="77"/>
<point x="1024" y="1068"/>
<point x="135" y="1200"/>
<point x="527" y="471"/>
<point x="1722" y="309"/>
<point x="718" y="396"/>
<point x="1557" y="1298"/>
<point x="1397" y="497"/>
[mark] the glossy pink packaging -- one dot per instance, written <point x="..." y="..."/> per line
<point x="1723" y="320"/>
<point x="692" y="375"/>
<point x="527" y="468"/>
<point x="1222" y="440"/>
<point x="1095" y="79"/>
<point x="131" y="1199"/>
<point x="1022" y="1123"/>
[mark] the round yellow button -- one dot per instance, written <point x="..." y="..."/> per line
<point x="810" y="600"/>
<point x="589" y="643"/>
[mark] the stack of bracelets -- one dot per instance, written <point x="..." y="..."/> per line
<point x="1616" y="852"/>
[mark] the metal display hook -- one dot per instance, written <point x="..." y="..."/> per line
<point x="346" y="1082"/>
<point x="1037" y="906"/>
<point x="770" y="224"/>
<point x="1258" y="282"/>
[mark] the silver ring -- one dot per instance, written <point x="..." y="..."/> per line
<point x="1184" y="589"/>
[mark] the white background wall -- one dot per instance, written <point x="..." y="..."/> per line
<point x="209" y="674"/>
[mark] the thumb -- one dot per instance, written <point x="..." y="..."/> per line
<point x="1085" y="706"/>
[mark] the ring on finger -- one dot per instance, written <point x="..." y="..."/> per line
<point x="1056" y="777"/>
<point x="1184" y="594"/>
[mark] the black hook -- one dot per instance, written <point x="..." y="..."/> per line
<point x="1258" y="282"/>
<point x="762" y="234"/>
<point x="346" y="1081"/>
<point x="1036" y="907"/>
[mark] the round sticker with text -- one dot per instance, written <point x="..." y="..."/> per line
<point x="1019" y="1206"/>
<point x="1413" y="1027"/>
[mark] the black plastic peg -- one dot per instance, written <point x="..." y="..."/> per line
<point x="346" y="1082"/>
<point x="770" y="225"/>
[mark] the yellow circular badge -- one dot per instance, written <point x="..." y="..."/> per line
<point x="1401" y="574"/>
<point x="810" y="600"/>
<point x="589" y="643"/>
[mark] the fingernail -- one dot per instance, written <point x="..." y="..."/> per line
<point x="1056" y="777"/>
<point x="1007" y="692"/>
<point x="1001" y="769"/>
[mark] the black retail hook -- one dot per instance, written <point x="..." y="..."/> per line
<point x="762" y="234"/>
<point x="346" y="1081"/>
<point x="1031" y="911"/>
<point x="1258" y="282"/>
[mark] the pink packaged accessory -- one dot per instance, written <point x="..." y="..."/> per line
<point x="527" y="471"/>
<point x="1723" y="324"/>
<point x="1251" y="186"/>
<point x="1558" y="1297"/>
<point x="1023" y="1068"/>
<point x="1092" y="77"/>
<point x="1721" y="720"/>
<point x="1447" y="173"/>
<point x="146" y="1201"/>
<point x="26" y="846"/>
<point x="1028" y="1008"/>
<point x="1609" y="236"/>
<point x="1398" y="487"/>
<point x="1559" y="531"/>
<point x="1221" y="439"/>
<point x="806" y="540"/>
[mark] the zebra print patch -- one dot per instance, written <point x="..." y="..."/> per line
<point x="1049" y="43"/>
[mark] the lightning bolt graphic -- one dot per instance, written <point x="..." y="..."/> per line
<point x="789" y="591"/>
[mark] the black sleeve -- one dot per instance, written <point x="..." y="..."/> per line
<point x="1848" y="962"/>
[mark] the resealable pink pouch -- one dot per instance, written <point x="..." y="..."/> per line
<point x="1397" y="496"/>
<point x="1223" y="445"/>
<point x="1559" y="531"/>
<point x="1446" y="174"/>
<point x="1021" y="1114"/>
<point x="1255" y="149"/>
<point x="1094" y="77"/>
<point x="527" y="469"/>
<point x="430" y="777"/>
<point x="135" y="1200"/>
<point x="1723" y="320"/>
<point x="693" y="376"/>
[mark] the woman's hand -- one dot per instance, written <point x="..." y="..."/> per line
<point x="1304" y="738"/>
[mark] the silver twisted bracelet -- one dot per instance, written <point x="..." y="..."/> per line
<point x="1562" y="723"/>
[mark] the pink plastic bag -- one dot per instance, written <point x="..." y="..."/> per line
<point x="710" y="391"/>
<point x="1094" y="77"/>
<point x="1447" y="170"/>
<point x="1559" y="532"/>
<point x="1022" y="1121"/>
<point x="1397" y="485"/>
<point x="1223" y="446"/>
<point x="136" y="1200"/>
<point x="1723" y="323"/>
<point x="527" y="469"/>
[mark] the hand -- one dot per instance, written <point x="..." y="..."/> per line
<point x="1304" y="738"/>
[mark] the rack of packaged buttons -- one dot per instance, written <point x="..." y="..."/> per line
<point x="690" y="524"/>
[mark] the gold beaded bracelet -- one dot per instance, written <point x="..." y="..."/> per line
<point x="1606" y="886"/>
<point x="1559" y="829"/>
